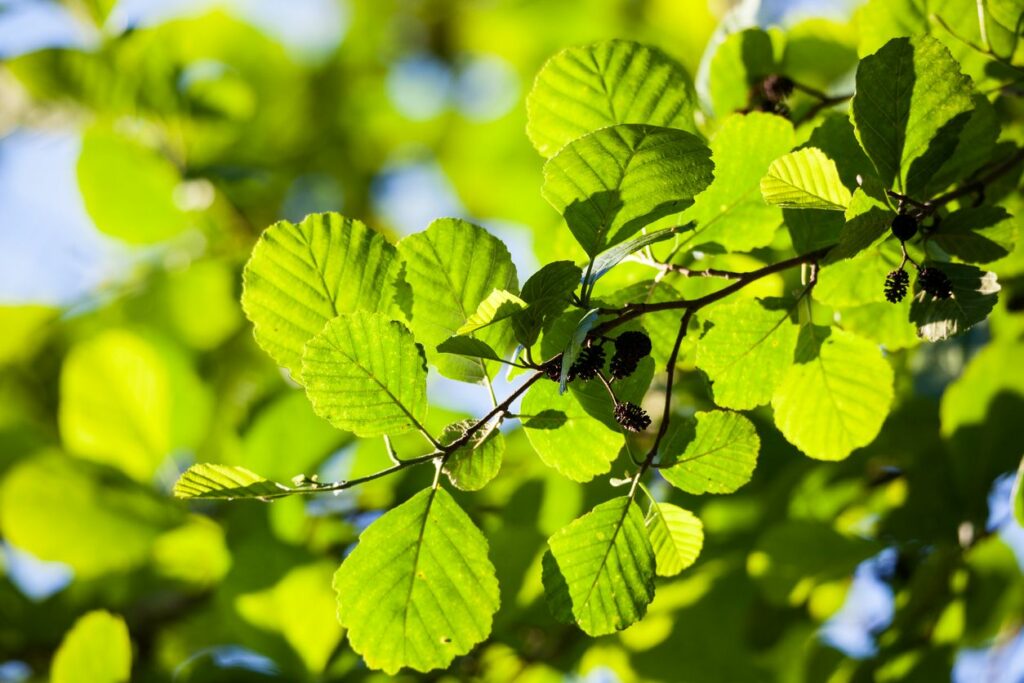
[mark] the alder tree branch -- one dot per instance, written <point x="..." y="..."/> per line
<point x="666" y="414"/>
<point x="631" y="311"/>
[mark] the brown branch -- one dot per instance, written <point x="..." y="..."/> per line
<point x="631" y="311"/>
<point x="666" y="414"/>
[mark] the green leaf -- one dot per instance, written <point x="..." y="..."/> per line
<point x="731" y="212"/>
<point x="868" y="219"/>
<point x="610" y="258"/>
<point x="452" y="267"/>
<point x="468" y="346"/>
<point x="859" y="280"/>
<point x="302" y="608"/>
<point x="974" y="297"/>
<point x="970" y="401"/>
<point x="25" y="329"/>
<point x="805" y="179"/>
<point x="884" y="323"/>
<point x="836" y="396"/>
<point x="974" y="148"/>
<point x="747" y="350"/>
<point x="556" y="426"/>
<point x="128" y="189"/>
<point x="715" y="452"/>
<point x="677" y="537"/>
<point x="608" y="565"/>
<point x="300" y="276"/>
<point x="582" y="89"/>
<point x="836" y="138"/>
<point x="556" y="591"/>
<point x="130" y="401"/>
<point x="472" y="466"/>
<point x="614" y="181"/>
<point x="498" y="306"/>
<point x="547" y="294"/>
<point x="226" y="482"/>
<point x="910" y="105"/>
<point x="97" y="649"/>
<point x="419" y="589"/>
<point x="739" y="62"/>
<point x="367" y="375"/>
<point x="63" y="509"/>
<point x="979" y="234"/>
<point x="812" y="229"/>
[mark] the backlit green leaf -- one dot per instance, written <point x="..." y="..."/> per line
<point x="452" y="267"/>
<point x="302" y="275"/>
<point x="62" y="509"/>
<point x="467" y="346"/>
<point x="128" y="189"/>
<point x="836" y="395"/>
<point x="805" y="179"/>
<point x="911" y="104"/>
<point x="367" y="375"/>
<point x="582" y="89"/>
<point x="97" y="649"/>
<point x="498" y="305"/>
<point x="547" y="292"/>
<point x="472" y="466"/>
<point x="224" y="481"/>
<point x="677" y="536"/>
<point x="739" y="62"/>
<point x="607" y="562"/>
<point x="715" y="452"/>
<point x="419" y="589"/>
<point x="731" y="212"/>
<point x="614" y="181"/>
<point x="979" y="234"/>
<point x="747" y="350"/>
<point x="558" y="426"/>
<point x="130" y="401"/>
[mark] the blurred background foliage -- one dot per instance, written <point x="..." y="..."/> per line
<point x="146" y="144"/>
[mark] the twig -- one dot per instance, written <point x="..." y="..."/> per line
<point x="631" y="311"/>
<point x="666" y="414"/>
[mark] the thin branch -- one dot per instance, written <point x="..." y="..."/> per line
<point x="690" y="272"/>
<point x="666" y="414"/>
<point x="631" y="311"/>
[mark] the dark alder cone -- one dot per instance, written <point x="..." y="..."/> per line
<point x="632" y="417"/>
<point x="630" y="347"/>
<point x="896" y="284"/>
<point x="633" y="343"/>
<point x="777" y="87"/>
<point x="622" y="367"/>
<point x="589" y="363"/>
<point x="935" y="282"/>
<point x="904" y="227"/>
<point x="553" y="371"/>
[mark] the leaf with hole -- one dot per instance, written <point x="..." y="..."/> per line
<point x="419" y="589"/>
<point x="607" y="563"/>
